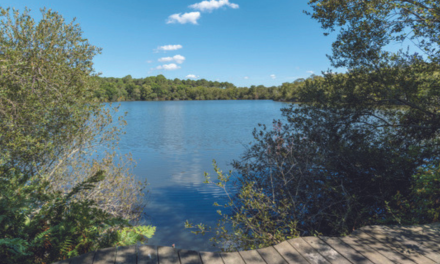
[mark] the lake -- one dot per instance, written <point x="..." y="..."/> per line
<point x="174" y="143"/>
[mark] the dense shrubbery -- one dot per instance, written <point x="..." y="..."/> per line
<point x="55" y="200"/>
<point x="422" y="205"/>
<point x="330" y="170"/>
<point x="40" y="226"/>
<point x="363" y="150"/>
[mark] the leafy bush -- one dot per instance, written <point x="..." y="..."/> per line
<point x="41" y="227"/>
<point x="423" y="204"/>
<point x="132" y="235"/>
<point x="119" y="194"/>
<point x="336" y="165"/>
<point x="55" y="199"/>
<point x="321" y="174"/>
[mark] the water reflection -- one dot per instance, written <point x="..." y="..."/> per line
<point x="174" y="144"/>
<point x="170" y="207"/>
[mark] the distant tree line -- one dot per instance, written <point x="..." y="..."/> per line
<point x="159" y="88"/>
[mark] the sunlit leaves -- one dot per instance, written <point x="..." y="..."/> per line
<point x="366" y="27"/>
<point x="56" y="201"/>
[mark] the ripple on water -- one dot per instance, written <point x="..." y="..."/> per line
<point x="174" y="143"/>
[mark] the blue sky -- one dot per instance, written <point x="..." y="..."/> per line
<point x="243" y="42"/>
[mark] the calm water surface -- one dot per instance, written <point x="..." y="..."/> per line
<point x="174" y="143"/>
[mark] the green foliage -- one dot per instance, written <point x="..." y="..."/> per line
<point x="366" y="27"/>
<point x="256" y="222"/>
<point x="426" y="193"/>
<point x="318" y="174"/>
<point x="131" y="235"/>
<point x="376" y="76"/>
<point x="423" y="204"/>
<point x="54" y="198"/>
<point x="41" y="227"/>
<point x="44" y="82"/>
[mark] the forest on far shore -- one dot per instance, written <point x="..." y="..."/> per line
<point x="160" y="88"/>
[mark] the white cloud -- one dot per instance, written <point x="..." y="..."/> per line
<point x="177" y="58"/>
<point x="273" y="76"/>
<point x="165" y="59"/>
<point x="170" y="47"/>
<point x="311" y="72"/>
<point x="246" y="77"/>
<point x="149" y="61"/>
<point x="191" y="76"/>
<point x="168" y="67"/>
<point x="191" y="17"/>
<point x="208" y="6"/>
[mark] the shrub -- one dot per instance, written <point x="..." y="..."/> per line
<point x="54" y="198"/>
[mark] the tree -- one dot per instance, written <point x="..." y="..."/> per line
<point x="44" y="84"/>
<point x="378" y="80"/>
<point x="50" y="122"/>
<point x="378" y="77"/>
<point x="366" y="27"/>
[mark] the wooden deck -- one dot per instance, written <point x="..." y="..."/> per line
<point x="371" y="244"/>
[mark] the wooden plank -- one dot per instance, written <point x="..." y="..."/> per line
<point x="418" y="242"/>
<point x="167" y="255"/>
<point x="232" y="258"/>
<point x="431" y="229"/>
<point x="105" y="256"/>
<point x="420" y="237"/>
<point x="377" y="244"/>
<point x="366" y="250"/>
<point x="189" y="257"/>
<point x="126" y="255"/>
<point x="307" y="251"/>
<point x="432" y="232"/>
<point x="251" y="256"/>
<point x="386" y="239"/>
<point x="211" y="257"/>
<point x="270" y="255"/>
<point x="147" y="255"/>
<point x="345" y="250"/>
<point x="326" y="251"/>
<point x="289" y="253"/>
<point x="383" y="249"/>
